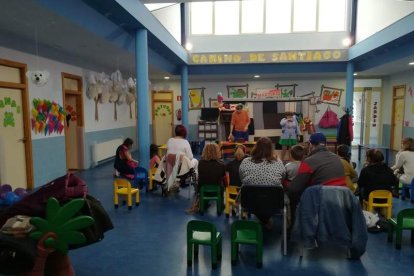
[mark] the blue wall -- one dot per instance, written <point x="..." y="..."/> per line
<point x="49" y="161"/>
<point x="386" y="135"/>
<point x="408" y="132"/>
<point x="106" y="135"/>
<point x="49" y="156"/>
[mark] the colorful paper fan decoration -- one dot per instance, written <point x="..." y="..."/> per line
<point x="47" y="117"/>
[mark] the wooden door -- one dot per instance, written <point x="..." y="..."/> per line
<point x="74" y="127"/>
<point x="397" y="116"/>
<point x="162" y="116"/>
<point x="15" y="137"/>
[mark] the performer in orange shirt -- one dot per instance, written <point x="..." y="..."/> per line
<point x="239" y="124"/>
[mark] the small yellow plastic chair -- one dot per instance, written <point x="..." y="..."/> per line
<point x="151" y="178"/>
<point x="122" y="187"/>
<point x="404" y="221"/>
<point x="379" y="194"/>
<point x="231" y="194"/>
<point x="204" y="233"/>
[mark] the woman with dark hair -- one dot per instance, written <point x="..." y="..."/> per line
<point x="179" y="145"/>
<point x="262" y="168"/>
<point x="375" y="176"/>
<point x="124" y="163"/>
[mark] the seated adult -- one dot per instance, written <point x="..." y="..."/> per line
<point x="320" y="167"/>
<point x="350" y="174"/>
<point x="376" y="175"/>
<point x="179" y="145"/>
<point x="211" y="171"/>
<point x="124" y="163"/>
<point x="404" y="165"/>
<point x="262" y="168"/>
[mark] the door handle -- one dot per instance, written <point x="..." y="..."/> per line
<point x="23" y="140"/>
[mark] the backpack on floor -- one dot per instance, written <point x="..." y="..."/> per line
<point x="34" y="204"/>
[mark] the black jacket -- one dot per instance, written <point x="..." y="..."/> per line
<point x="210" y="172"/>
<point x="233" y="168"/>
<point x="376" y="177"/>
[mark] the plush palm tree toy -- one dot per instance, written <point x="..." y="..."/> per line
<point x="55" y="233"/>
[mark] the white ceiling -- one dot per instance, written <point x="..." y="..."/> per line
<point x="25" y="24"/>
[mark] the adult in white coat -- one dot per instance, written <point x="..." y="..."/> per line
<point x="404" y="165"/>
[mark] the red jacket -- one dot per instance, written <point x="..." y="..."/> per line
<point x="321" y="167"/>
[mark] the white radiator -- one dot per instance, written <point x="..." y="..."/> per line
<point x="104" y="150"/>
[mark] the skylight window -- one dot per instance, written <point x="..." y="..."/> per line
<point x="153" y="7"/>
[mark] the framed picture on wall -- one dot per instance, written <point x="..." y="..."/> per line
<point x="331" y="95"/>
<point x="213" y="102"/>
<point x="238" y="91"/>
<point x="286" y="90"/>
<point x="196" y="98"/>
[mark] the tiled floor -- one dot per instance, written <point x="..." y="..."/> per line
<point x="151" y="240"/>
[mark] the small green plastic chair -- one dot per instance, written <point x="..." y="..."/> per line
<point x="211" y="192"/>
<point x="204" y="233"/>
<point x="246" y="232"/>
<point x="404" y="221"/>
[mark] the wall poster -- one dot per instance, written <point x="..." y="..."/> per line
<point x="196" y="98"/>
<point x="330" y="95"/>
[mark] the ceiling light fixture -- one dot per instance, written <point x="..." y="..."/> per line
<point x="355" y="74"/>
<point x="346" y="41"/>
<point x="166" y="78"/>
<point x="411" y="63"/>
<point x="188" y="46"/>
<point x="256" y="76"/>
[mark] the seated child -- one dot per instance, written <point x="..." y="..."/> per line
<point x="233" y="166"/>
<point x="351" y="175"/>
<point x="155" y="159"/>
<point x="297" y="153"/>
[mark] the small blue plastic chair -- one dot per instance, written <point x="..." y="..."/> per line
<point x="141" y="178"/>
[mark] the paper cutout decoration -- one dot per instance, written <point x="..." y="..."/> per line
<point x="8" y="119"/>
<point x="8" y="104"/>
<point x="47" y="117"/>
<point x="38" y="77"/>
<point x="163" y="110"/>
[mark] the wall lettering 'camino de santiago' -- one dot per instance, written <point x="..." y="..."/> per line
<point x="270" y="57"/>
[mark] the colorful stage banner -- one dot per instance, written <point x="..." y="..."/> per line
<point x="267" y="93"/>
